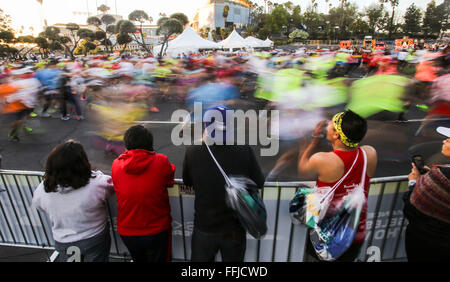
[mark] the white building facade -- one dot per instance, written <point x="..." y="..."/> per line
<point x="211" y="15"/>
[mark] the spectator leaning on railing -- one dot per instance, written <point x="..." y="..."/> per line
<point x="427" y="208"/>
<point x="216" y="227"/>
<point x="74" y="197"/>
<point x="141" y="178"/>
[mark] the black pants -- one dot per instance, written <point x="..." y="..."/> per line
<point x="148" y="248"/>
<point x="49" y="97"/>
<point x="206" y="245"/>
<point x="348" y="256"/>
<point x="71" y="98"/>
<point x="421" y="247"/>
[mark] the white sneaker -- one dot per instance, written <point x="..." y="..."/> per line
<point x="65" y="118"/>
<point x="45" y="114"/>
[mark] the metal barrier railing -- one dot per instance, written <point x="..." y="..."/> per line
<point x="21" y="225"/>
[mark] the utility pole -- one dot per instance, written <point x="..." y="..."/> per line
<point x="87" y="7"/>
<point x="342" y="17"/>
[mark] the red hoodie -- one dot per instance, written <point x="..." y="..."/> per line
<point x="140" y="180"/>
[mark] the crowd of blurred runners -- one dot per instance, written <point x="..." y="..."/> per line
<point x="306" y="85"/>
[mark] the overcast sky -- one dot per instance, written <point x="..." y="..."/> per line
<point x="30" y="13"/>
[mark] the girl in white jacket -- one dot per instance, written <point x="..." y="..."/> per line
<point x="74" y="197"/>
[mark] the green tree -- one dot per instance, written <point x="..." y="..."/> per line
<point x="264" y="32"/>
<point x="139" y="16"/>
<point x="89" y="46"/>
<point x="250" y="30"/>
<point x="43" y="45"/>
<point x="182" y="18"/>
<point x="343" y="17"/>
<point x="25" y="39"/>
<point x="436" y="18"/>
<point x="167" y="28"/>
<point x="257" y="16"/>
<point x="161" y="21"/>
<point x="8" y="52"/>
<point x="374" y="14"/>
<point x="5" y="21"/>
<point x="444" y="10"/>
<point x="125" y="27"/>
<point x="85" y="47"/>
<point x="88" y="36"/>
<point x="108" y="19"/>
<point x="55" y="41"/>
<point x="85" y="33"/>
<point x="223" y="32"/>
<point x="298" y="35"/>
<point x="359" y="28"/>
<point x="413" y="19"/>
<point x="295" y="18"/>
<point x="6" y="36"/>
<point x="202" y="33"/>
<point x="289" y="6"/>
<point x="384" y="24"/>
<point x="105" y="24"/>
<point x="314" y="22"/>
<point x="391" y="26"/>
<point x="123" y="39"/>
<point x="73" y="28"/>
<point x="278" y="20"/>
<point x="124" y="30"/>
<point x="432" y="24"/>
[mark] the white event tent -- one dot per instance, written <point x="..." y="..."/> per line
<point x="234" y="40"/>
<point x="255" y="42"/>
<point x="188" y="41"/>
<point x="268" y="42"/>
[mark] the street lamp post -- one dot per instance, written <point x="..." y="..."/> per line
<point x="328" y="30"/>
<point x="335" y="31"/>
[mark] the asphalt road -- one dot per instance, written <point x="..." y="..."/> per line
<point x="394" y="141"/>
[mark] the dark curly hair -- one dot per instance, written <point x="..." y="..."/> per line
<point x="138" y="137"/>
<point x="354" y="126"/>
<point x="67" y="166"/>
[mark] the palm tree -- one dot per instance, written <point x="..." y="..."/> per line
<point x="226" y="9"/>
